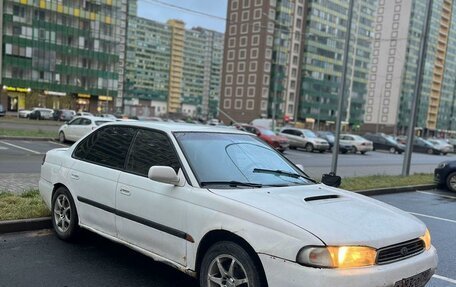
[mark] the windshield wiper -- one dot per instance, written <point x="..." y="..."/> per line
<point x="231" y="183"/>
<point x="281" y="172"/>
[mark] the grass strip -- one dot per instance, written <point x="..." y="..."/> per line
<point x="20" y="206"/>
<point x="27" y="133"/>
<point x="384" y="181"/>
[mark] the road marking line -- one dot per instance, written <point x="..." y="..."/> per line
<point x="56" y="143"/>
<point x="442" y="195"/>
<point x="19" y="147"/>
<point x="433" y="217"/>
<point x="444" y="278"/>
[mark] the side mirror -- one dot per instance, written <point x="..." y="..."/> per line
<point x="300" y="166"/>
<point x="331" y="179"/>
<point x="164" y="174"/>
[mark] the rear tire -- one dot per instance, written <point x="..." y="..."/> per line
<point x="392" y="150"/>
<point x="430" y="151"/>
<point x="451" y="182"/>
<point x="228" y="264"/>
<point x="64" y="215"/>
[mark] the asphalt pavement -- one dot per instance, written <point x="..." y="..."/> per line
<point x="40" y="259"/>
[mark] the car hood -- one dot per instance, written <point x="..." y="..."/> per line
<point x="335" y="216"/>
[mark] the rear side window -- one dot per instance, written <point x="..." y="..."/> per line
<point x="108" y="146"/>
<point x="151" y="148"/>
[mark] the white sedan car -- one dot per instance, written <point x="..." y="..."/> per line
<point x="234" y="213"/>
<point x="359" y="143"/>
<point x="79" y="127"/>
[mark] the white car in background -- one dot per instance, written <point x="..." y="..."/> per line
<point x="79" y="127"/>
<point x="86" y="114"/>
<point x="359" y="143"/>
<point x="23" y="113"/>
<point x="223" y="206"/>
<point x="302" y="138"/>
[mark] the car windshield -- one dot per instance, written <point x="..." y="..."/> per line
<point x="228" y="158"/>
<point x="309" y="134"/>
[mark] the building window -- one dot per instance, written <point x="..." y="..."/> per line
<point x="267" y="67"/>
<point x="269" y="40"/>
<point x="294" y="72"/>
<point x="229" y="79"/>
<point x="234" y="4"/>
<point x="254" y="53"/>
<point x="265" y="93"/>
<point x="255" y="40"/>
<point x="266" y="80"/>
<point x="300" y="10"/>
<point x="241" y="66"/>
<point x="256" y="27"/>
<point x="253" y="66"/>
<point x="230" y="67"/>
<point x="246" y="4"/>
<point x="251" y="91"/>
<point x="244" y="28"/>
<point x="268" y="54"/>
<point x="228" y="91"/>
<point x="291" y="98"/>
<point x="245" y="15"/>
<point x="240" y="80"/>
<point x="238" y="104"/>
<point x="230" y="54"/>
<point x="242" y="54"/>
<point x="233" y="29"/>
<point x="264" y="105"/>
<point x="252" y="79"/>
<point x="243" y="41"/>
<point x="293" y="84"/>
<point x="234" y="17"/>
<point x="258" y="2"/>
<point x="227" y="104"/>
<point x="232" y="42"/>
<point x="250" y="104"/>
<point x="239" y="91"/>
<point x="257" y="14"/>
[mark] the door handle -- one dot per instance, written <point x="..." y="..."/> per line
<point x="125" y="192"/>
<point x="74" y="176"/>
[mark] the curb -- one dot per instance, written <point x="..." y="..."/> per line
<point x="27" y="138"/>
<point x="389" y="190"/>
<point x="30" y="224"/>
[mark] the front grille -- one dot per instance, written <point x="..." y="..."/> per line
<point x="400" y="251"/>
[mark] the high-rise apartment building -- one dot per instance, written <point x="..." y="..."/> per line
<point x="256" y="76"/>
<point x="283" y="58"/>
<point x="397" y="38"/>
<point x="172" y="70"/>
<point x="322" y="61"/>
<point x="62" y="54"/>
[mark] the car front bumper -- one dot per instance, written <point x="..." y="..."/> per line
<point x="440" y="175"/>
<point x="280" y="272"/>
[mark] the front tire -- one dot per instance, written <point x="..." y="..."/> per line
<point x="430" y="151"/>
<point x="64" y="215"/>
<point x="228" y="264"/>
<point x="62" y="138"/>
<point x="392" y="150"/>
<point x="451" y="181"/>
<point x="309" y="147"/>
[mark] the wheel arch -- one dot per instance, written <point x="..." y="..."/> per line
<point x="215" y="236"/>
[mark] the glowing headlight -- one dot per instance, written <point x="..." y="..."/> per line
<point x="427" y="239"/>
<point x="337" y="256"/>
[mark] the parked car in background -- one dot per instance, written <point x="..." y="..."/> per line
<point x="64" y="115"/>
<point x="302" y="138"/>
<point x="401" y="139"/>
<point x="85" y="114"/>
<point x="2" y="111"/>
<point x="23" y="113"/>
<point x="445" y="175"/>
<point x="329" y="137"/>
<point x="452" y="141"/>
<point x="359" y="143"/>
<point x="280" y="143"/>
<point x="41" y="114"/>
<point x="381" y="141"/>
<point x="442" y="145"/>
<point x="256" y="219"/>
<point x="108" y="116"/>
<point x="424" y="146"/>
<point x="79" y="127"/>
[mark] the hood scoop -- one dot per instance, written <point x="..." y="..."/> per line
<point x="321" y="197"/>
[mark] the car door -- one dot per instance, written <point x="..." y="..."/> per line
<point x="72" y="128"/>
<point x="150" y="214"/>
<point x="93" y="176"/>
<point x="85" y="127"/>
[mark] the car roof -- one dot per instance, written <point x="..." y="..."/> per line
<point x="94" y="118"/>
<point x="178" y="127"/>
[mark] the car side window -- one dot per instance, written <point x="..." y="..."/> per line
<point x="107" y="146"/>
<point x="75" y="122"/>
<point x="151" y="148"/>
<point x="288" y="132"/>
<point x="298" y="133"/>
<point x="86" y="122"/>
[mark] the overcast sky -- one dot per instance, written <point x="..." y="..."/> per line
<point x="155" y="11"/>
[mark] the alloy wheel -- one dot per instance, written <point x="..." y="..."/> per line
<point x="62" y="213"/>
<point x="226" y="271"/>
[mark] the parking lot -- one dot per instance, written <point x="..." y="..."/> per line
<point x="20" y="156"/>
<point x="95" y="261"/>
